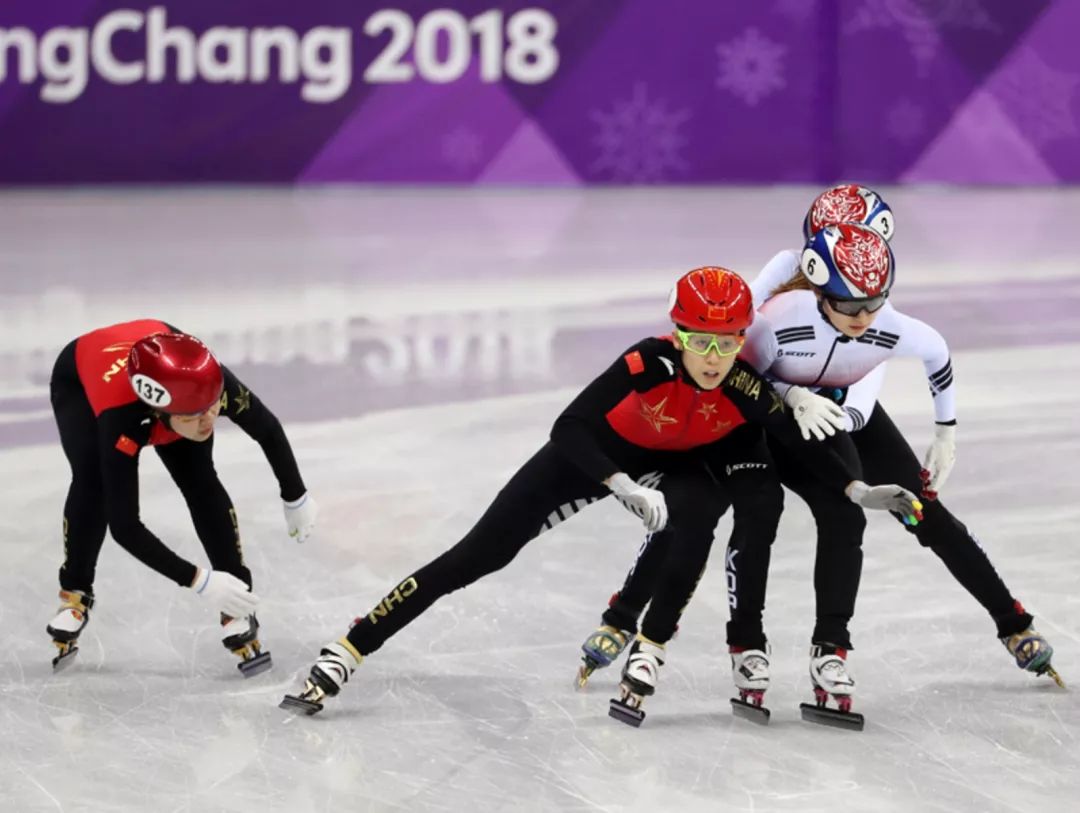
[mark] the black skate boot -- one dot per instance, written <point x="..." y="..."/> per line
<point x="331" y="671"/>
<point x="69" y="622"/>
<point x="242" y="639"/>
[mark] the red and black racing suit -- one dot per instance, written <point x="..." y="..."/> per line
<point x="103" y="428"/>
<point x="644" y="416"/>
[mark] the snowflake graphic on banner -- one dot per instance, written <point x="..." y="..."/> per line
<point x="640" y="139"/>
<point x="461" y="148"/>
<point x="751" y="66"/>
<point x="1038" y="97"/>
<point x="905" y="121"/>
<point x="921" y="23"/>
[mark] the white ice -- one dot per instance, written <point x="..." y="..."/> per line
<point x="473" y="707"/>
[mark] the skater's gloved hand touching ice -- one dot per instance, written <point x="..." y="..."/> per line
<point x="300" y="516"/>
<point x="939" y="460"/>
<point x="225" y="592"/>
<point x="892" y="498"/>
<point x="815" y="414"/>
<point x="647" y="503"/>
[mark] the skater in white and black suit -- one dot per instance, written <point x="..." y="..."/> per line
<point x="825" y="336"/>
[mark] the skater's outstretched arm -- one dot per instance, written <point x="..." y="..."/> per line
<point x="760" y="403"/>
<point x="245" y="409"/>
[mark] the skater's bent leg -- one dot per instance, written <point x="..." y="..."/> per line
<point x="957" y="547"/>
<point x="84" y="521"/>
<point x="546" y="490"/>
<point x="837" y="566"/>
<point x="627" y="605"/>
<point x="695" y="502"/>
<point x="887" y="457"/>
<point x="751" y="479"/>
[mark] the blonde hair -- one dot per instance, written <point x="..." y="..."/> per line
<point x="798" y="282"/>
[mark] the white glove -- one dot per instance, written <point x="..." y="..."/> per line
<point x="814" y="413"/>
<point x="939" y="461"/>
<point x="647" y="503"/>
<point x="300" y="517"/>
<point x="225" y="592"/>
<point x="887" y="498"/>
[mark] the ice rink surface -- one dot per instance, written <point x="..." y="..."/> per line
<point x="418" y="345"/>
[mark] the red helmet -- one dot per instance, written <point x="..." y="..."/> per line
<point x="712" y="300"/>
<point x="175" y="373"/>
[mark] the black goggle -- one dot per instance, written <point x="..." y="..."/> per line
<point x="853" y="307"/>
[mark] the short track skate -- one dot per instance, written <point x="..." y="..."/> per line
<point x="253" y="660"/>
<point x="65" y="628"/>
<point x="1033" y="653"/>
<point x="749" y="706"/>
<point x="600" y="649"/>
<point x="67" y="650"/>
<point x="626" y="708"/>
<point x="245" y="645"/>
<point x="840" y="717"/>
<point x="331" y="671"/>
<point x="308" y="702"/>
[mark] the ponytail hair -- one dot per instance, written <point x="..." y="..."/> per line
<point x="798" y="282"/>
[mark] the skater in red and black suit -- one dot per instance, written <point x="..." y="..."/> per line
<point x="674" y="430"/>
<point x="119" y="389"/>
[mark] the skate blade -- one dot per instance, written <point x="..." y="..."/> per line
<point x="748" y="711"/>
<point x="852" y="721"/>
<point x="584" y="672"/>
<point x="299" y="705"/>
<point x="64" y="659"/>
<point x="255" y="666"/>
<point x="618" y="710"/>
<point x="1052" y="672"/>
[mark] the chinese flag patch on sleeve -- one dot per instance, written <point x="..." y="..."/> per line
<point x="634" y="362"/>
<point x="127" y="445"/>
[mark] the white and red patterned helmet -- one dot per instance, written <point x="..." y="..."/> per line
<point x="849" y="261"/>
<point x="849" y="203"/>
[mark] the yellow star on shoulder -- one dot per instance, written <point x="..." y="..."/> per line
<point x="777" y="402"/>
<point x="720" y="426"/>
<point x="654" y="415"/>
<point x="243" y="400"/>
<point x="707" y="411"/>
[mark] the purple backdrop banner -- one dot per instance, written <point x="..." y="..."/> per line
<point x="559" y="92"/>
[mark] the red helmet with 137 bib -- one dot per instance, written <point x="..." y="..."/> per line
<point x="711" y="300"/>
<point x="175" y="373"/>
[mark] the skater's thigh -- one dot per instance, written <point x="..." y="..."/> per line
<point x="547" y="490"/>
<point x="694" y="498"/>
<point x="886" y="455"/>
<point x="746" y="470"/>
<point x="78" y="435"/>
